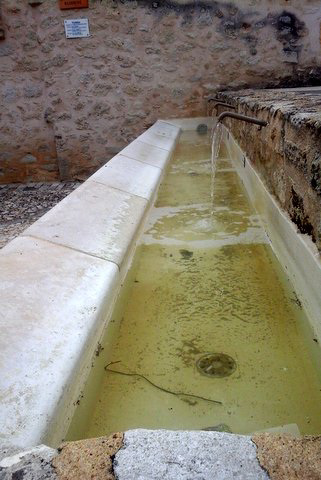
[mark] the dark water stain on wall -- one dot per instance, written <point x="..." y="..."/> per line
<point x="231" y="21"/>
<point x="289" y="27"/>
<point x="298" y="215"/>
<point x="289" y="30"/>
<point x="316" y="174"/>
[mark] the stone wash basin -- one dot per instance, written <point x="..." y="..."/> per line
<point x="61" y="298"/>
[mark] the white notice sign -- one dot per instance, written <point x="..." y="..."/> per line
<point x="77" y="28"/>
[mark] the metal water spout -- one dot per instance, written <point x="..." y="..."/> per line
<point x="217" y="104"/>
<point x="243" y="118"/>
<point x="221" y="104"/>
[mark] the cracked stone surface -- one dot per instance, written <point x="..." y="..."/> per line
<point x="23" y="204"/>
<point x="184" y="455"/>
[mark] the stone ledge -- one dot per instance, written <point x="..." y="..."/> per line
<point x="168" y="455"/>
<point x="55" y="304"/>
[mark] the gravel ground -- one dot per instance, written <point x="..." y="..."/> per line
<point x="22" y="204"/>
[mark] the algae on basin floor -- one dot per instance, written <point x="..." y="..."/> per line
<point x="205" y="280"/>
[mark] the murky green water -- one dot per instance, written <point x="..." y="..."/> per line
<point x="204" y="280"/>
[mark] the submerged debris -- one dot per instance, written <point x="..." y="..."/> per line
<point x="178" y="394"/>
<point x="186" y="254"/>
<point x="99" y="349"/>
<point x="221" y="427"/>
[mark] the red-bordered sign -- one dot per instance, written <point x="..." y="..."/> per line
<point x="69" y="4"/>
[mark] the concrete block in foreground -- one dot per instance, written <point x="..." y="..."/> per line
<point x="195" y="455"/>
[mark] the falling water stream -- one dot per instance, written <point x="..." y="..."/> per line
<point x="208" y="332"/>
<point x="216" y="140"/>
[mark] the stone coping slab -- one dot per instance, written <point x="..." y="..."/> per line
<point x="141" y="179"/>
<point x="58" y="284"/>
<point x="161" y="135"/>
<point x="95" y="219"/>
<point x="146" y="153"/>
<point x="54" y="302"/>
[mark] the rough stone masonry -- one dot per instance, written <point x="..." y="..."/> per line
<point x="68" y="105"/>
<point x="286" y="153"/>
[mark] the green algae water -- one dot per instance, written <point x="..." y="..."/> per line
<point x="204" y="281"/>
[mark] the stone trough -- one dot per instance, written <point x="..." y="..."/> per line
<point x="59" y="283"/>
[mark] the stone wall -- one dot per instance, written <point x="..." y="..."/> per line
<point x="286" y="153"/>
<point x="67" y="106"/>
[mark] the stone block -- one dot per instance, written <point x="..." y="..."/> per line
<point x="95" y="219"/>
<point x="146" y="153"/>
<point x="181" y="455"/>
<point x="130" y="176"/>
<point x="32" y="91"/>
<point x="55" y="302"/>
<point x="161" y="135"/>
<point x="27" y="159"/>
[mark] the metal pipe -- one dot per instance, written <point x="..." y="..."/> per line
<point x="216" y="105"/>
<point x="209" y="100"/>
<point x="243" y="118"/>
<point x="222" y="104"/>
<point x="212" y="99"/>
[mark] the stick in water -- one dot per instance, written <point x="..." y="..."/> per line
<point x="179" y="394"/>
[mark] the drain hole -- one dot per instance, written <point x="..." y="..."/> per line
<point x="216" y="365"/>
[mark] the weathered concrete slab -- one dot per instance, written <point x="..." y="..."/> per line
<point x="162" y="127"/>
<point x="150" y="154"/>
<point x="55" y="303"/>
<point x="95" y="219"/>
<point x="184" y="455"/>
<point x="162" y="135"/>
<point x="130" y="176"/>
